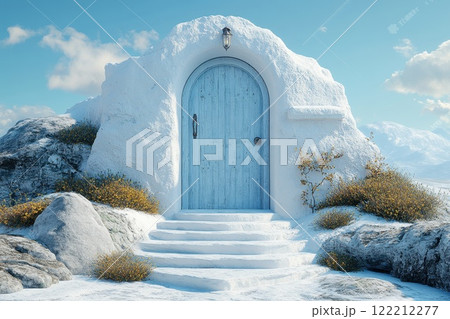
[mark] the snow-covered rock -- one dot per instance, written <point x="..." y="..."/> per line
<point x="32" y="159"/>
<point x="146" y="93"/>
<point x="423" y="255"/>
<point x="350" y="288"/>
<point x="26" y="264"/>
<point x="418" y="253"/>
<point x="72" y="229"/>
<point x="422" y="153"/>
<point x="8" y="283"/>
<point x="126" y="226"/>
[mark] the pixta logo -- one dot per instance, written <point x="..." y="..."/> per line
<point x="149" y="150"/>
<point x="144" y="148"/>
<point x="307" y="150"/>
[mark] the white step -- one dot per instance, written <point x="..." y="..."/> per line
<point x="229" y="261"/>
<point x="223" y="247"/>
<point x="214" y="279"/>
<point x="214" y="250"/>
<point x="222" y="226"/>
<point x="228" y="216"/>
<point x="165" y="234"/>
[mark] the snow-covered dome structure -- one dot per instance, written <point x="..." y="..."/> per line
<point x="207" y="128"/>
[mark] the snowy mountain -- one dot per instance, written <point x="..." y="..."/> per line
<point x="443" y="132"/>
<point x="422" y="153"/>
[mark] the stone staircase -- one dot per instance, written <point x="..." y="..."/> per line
<point x="226" y="250"/>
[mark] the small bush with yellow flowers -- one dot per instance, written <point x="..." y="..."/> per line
<point x="111" y="189"/>
<point x="339" y="261"/>
<point x="22" y="214"/>
<point x="333" y="219"/>
<point x="79" y="133"/>
<point x="122" y="266"/>
<point x="345" y="194"/>
<point x="387" y="193"/>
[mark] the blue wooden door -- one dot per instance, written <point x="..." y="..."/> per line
<point x="228" y="99"/>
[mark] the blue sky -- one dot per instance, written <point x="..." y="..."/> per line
<point x="52" y="55"/>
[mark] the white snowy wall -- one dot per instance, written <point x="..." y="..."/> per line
<point x="146" y="93"/>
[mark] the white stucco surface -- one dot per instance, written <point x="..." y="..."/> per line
<point x="145" y="93"/>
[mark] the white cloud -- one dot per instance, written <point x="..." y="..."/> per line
<point x="17" y="35"/>
<point x="405" y="48"/>
<point x="439" y="108"/>
<point x="445" y="119"/>
<point x="139" y="41"/>
<point x="10" y="116"/>
<point x="82" y="68"/>
<point x="436" y="106"/>
<point x="426" y="73"/>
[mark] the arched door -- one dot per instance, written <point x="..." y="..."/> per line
<point x="224" y="164"/>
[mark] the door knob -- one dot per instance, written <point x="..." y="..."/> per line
<point x="256" y="140"/>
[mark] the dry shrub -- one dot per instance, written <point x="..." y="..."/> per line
<point x="344" y="194"/>
<point x="80" y="133"/>
<point x="114" y="190"/>
<point x="333" y="219"/>
<point x="392" y="195"/>
<point x="387" y="193"/>
<point x="340" y="262"/>
<point x="23" y="214"/>
<point x="120" y="266"/>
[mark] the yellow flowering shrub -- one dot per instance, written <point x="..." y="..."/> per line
<point x="79" y="133"/>
<point x="119" y="266"/>
<point x="387" y="193"/>
<point x="344" y="194"/>
<point x="114" y="190"/>
<point x="338" y="261"/>
<point x="333" y="219"/>
<point x="23" y="214"/>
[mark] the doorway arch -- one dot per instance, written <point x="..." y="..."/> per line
<point x="225" y="99"/>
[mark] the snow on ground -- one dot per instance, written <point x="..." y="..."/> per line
<point x="439" y="187"/>
<point x="329" y="288"/>
<point x="442" y="189"/>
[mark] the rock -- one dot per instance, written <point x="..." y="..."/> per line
<point x="8" y="283"/>
<point x="72" y="229"/>
<point x="32" y="159"/>
<point x="126" y="226"/>
<point x="32" y="277"/>
<point x="418" y="253"/>
<point x="423" y="255"/>
<point x="25" y="263"/>
<point x="371" y="244"/>
<point x="347" y="288"/>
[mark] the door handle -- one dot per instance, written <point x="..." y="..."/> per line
<point x="194" y="126"/>
<point x="256" y="140"/>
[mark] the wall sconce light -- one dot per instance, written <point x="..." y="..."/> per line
<point x="226" y="38"/>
